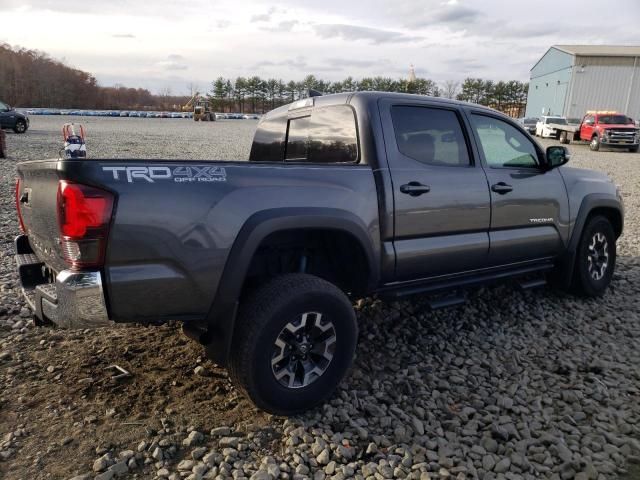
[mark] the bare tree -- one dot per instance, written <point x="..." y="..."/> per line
<point x="450" y="89"/>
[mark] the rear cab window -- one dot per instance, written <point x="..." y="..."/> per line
<point x="320" y="135"/>
<point x="328" y="135"/>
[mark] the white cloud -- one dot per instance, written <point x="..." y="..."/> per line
<point x="164" y="46"/>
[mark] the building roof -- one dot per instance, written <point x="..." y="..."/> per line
<point x="601" y="50"/>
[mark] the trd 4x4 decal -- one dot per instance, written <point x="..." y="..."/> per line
<point x="180" y="174"/>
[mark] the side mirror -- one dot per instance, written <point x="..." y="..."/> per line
<point x="556" y="156"/>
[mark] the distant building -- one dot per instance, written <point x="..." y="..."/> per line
<point x="570" y="79"/>
<point x="412" y="74"/>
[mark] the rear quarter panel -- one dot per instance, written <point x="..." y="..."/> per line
<point x="170" y="237"/>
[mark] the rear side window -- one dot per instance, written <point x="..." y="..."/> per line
<point x="430" y="135"/>
<point x="328" y="135"/>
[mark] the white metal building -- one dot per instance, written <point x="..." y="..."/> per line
<point x="570" y="79"/>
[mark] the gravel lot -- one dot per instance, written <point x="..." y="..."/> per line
<point x="510" y="385"/>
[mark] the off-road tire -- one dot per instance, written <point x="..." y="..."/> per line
<point x="594" y="145"/>
<point x="261" y="319"/>
<point x="20" y="126"/>
<point x="583" y="282"/>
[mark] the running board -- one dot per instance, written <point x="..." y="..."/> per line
<point x="532" y="283"/>
<point x="448" y="301"/>
<point x="397" y="291"/>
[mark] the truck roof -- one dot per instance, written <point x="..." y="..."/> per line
<point x="342" y="98"/>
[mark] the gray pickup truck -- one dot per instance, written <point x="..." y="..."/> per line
<point x="343" y="196"/>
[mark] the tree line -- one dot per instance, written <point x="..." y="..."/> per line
<point x="257" y="95"/>
<point x="30" y="78"/>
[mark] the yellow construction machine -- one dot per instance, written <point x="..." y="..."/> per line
<point x="200" y="107"/>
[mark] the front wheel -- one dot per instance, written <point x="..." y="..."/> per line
<point x="20" y="127"/>
<point x="294" y="341"/>
<point x="564" y="138"/>
<point x="595" y="143"/>
<point x="596" y="257"/>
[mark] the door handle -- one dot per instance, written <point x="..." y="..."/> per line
<point x="414" y="188"/>
<point x="501" y="188"/>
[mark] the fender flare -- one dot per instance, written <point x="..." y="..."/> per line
<point x="589" y="203"/>
<point x="221" y="317"/>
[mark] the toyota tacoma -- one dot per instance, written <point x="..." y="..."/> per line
<point x="343" y="196"/>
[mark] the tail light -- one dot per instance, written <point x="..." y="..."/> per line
<point x="84" y="214"/>
<point x="18" y="209"/>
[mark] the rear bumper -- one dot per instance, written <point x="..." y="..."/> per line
<point x="74" y="300"/>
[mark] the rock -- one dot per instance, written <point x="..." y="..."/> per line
<point x="488" y="462"/>
<point x="108" y="475"/>
<point x="231" y="442"/>
<point x="198" y="453"/>
<point x="502" y="466"/>
<point x="194" y="438"/>
<point x="101" y="463"/>
<point x="119" y="468"/>
<point x="261" y="475"/>
<point x="220" y="432"/>
<point x="186" y="465"/>
<point x="200" y="370"/>
<point x="324" y="457"/>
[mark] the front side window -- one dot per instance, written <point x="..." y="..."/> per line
<point x="503" y="145"/>
<point x="328" y="135"/>
<point x="430" y="135"/>
<point x="3" y="107"/>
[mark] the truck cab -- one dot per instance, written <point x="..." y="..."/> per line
<point x="609" y="129"/>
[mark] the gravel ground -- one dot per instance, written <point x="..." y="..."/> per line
<point x="510" y="385"/>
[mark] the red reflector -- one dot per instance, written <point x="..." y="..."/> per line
<point x="18" y="209"/>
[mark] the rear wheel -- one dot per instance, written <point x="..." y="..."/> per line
<point x="294" y="342"/>
<point x="20" y="127"/>
<point x="596" y="257"/>
<point x="595" y="143"/>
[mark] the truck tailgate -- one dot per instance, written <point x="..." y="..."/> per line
<point x="37" y="195"/>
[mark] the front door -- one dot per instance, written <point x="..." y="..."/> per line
<point x="529" y="205"/>
<point x="442" y="204"/>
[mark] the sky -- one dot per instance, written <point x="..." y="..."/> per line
<point x="161" y="44"/>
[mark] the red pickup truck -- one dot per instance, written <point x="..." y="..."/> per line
<point x="601" y="129"/>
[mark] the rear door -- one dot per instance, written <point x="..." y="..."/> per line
<point x="442" y="204"/>
<point x="529" y="205"/>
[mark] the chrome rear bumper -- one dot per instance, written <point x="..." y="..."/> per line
<point x="74" y="300"/>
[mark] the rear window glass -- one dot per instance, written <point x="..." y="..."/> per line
<point x="557" y="120"/>
<point x="268" y="141"/>
<point x="327" y="136"/>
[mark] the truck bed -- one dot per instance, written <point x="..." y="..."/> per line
<point x="174" y="222"/>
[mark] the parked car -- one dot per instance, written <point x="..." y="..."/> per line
<point x="10" y="119"/>
<point x="343" y="196"/>
<point x="543" y="128"/>
<point x="529" y="124"/>
<point x="250" y="116"/>
<point x="601" y="129"/>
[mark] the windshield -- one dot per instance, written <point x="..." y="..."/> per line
<point x="557" y="120"/>
<point x="614" y="119"/>
<point x="3" y="107"/>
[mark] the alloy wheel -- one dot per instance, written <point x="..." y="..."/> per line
<point x="598" y="256"/>
<point x="303" y="350"/>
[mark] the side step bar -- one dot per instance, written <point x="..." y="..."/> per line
<point x="530" y="283"/>
<point x="447" y="301"/>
